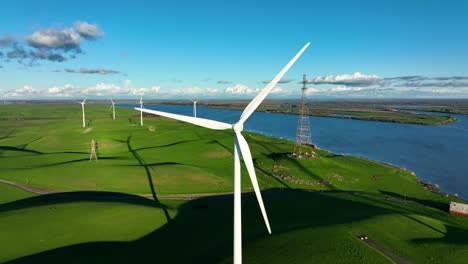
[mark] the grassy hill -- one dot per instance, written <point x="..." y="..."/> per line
<point x="316" y="206"/>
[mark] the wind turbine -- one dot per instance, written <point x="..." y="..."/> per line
<point x="141" y="112"/>
<point x="240" y="145"/>
<point x="113" y="109"/>
<point x="82" y="109"/>
<point x="194" y="107"/>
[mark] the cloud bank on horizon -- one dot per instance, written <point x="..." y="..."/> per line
<point x="356" y="85"/>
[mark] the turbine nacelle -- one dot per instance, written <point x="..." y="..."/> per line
<point x="238" y="127"/>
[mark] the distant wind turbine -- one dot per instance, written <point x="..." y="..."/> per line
<point x="141" y="112"/>
<point x="240" y="145"/>
<point x="113" y="108"/>
<point x="194" y="107"/>
<point x="82" y="109"/>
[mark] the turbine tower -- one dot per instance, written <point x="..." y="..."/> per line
<point x="82" y="109"/>
<point x="194" y="108"/>
<point x="113" y="109"/>
<point x="240" y="146"/>
<point x="303" y="126"/>
<point x="141" y="112"/>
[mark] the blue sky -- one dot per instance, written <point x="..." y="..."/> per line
<point x="213" y="49"/>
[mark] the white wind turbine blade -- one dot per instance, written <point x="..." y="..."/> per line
<point x="259" y="98"/>
<point x="245" y="150"/>
<point x="84" y="101"/>
<point x="188" y="119"/>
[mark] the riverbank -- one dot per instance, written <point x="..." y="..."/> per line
<point x="379" y="115"/>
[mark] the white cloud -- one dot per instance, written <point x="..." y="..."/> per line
<point x="279" y="91"/>
<point x="56" y="44"/>
<point x="26" y="91"/>
<point x="356" y="79"/>
<point x="144" y="91"/>
<point x="241" y="89"/>
<point x="195" y="91"/>
<point x="67" y="90"/>
<point x="343" y="88"/>
<point x="53" y="38"/>
<point x="311" y="90"/>
<point x="86" y="30"/>
<point x="102" y="89"/>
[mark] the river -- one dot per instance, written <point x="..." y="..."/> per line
<point x="437" y="154"/>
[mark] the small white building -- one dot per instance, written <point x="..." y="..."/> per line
<point x="459" y="208"/>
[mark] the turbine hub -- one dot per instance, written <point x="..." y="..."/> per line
<point x="238" y="127"/>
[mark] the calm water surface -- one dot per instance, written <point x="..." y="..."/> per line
<point x="437" y="154"/>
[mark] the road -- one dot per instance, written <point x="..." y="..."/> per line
<point x="385" y="251"/>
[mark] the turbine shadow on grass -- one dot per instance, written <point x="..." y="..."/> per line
<point x="8" y="135"/>
<point x="454" y="235"/>
<point x="280" y="156"/>
<point x="254" y="162"/>
<point x="71" y="197"/>
<point x="35" y="153"/>
<point x="438" y="205"/>
<point x="75" y="161"/>
<point x="166" y="145"/>
<point x="23" y="146"/>
<point x="148" y="175"/>
<point x="202" y="230"/>
<point x="19" y="149"/>
<point x="157" y="164"/>
<point x="422" y="223"/>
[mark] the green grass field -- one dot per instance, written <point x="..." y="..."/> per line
<point x="315" y="206"/>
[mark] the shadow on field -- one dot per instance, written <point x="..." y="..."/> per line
<point x="169" y="163"/>
<point x="422" y="223"/>
<point x="72" y="197"/>
<point x="23" y="146"/>
<point x="254" y="162"/>
<point x="306" y="171"/>
<point x="75" y="161"/>
<point x="230" y="150"/>
<point x="453" y="235"/>
<point x="19" y="149"/>
<point x="202" y="230"/>
<point x="147" y="168"/>
<point x="167" y="145"/>
<point x="441" y="206"/>
<point x="269" y="174"/>
<point x="8" y="135"/>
